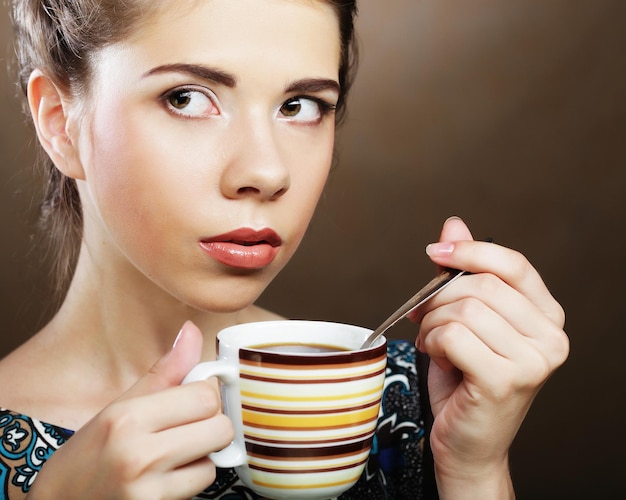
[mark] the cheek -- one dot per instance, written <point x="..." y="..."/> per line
<point x="135" y="182"/>
<point x="309" y="175"/>
<point x="118" y="173"/>
<point x="314" y="163"/>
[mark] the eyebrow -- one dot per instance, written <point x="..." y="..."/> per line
<point x="313" y="85"/>
<point x="224" y="78"/>
<point x="197" y="70"/>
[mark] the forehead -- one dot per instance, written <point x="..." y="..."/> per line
<point x="298" y="32"/>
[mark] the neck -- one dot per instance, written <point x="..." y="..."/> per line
<point x="121" y="322"/>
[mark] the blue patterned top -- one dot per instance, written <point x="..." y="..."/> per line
<point x="393" y="471"/>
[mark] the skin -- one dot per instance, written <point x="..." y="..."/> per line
<point x="154" y="182"/>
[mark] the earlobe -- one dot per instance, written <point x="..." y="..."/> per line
<point x="49" y="112"/>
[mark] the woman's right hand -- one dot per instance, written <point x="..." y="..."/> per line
<point x="152" y="442"/>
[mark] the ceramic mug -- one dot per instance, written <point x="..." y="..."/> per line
<point x="304" y="400"/>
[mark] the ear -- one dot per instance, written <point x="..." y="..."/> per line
<point x="50" y="116"/>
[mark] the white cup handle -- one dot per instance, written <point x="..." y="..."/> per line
<point x="234" y="454"/>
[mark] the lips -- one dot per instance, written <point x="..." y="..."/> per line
<point x="243" y="248"/>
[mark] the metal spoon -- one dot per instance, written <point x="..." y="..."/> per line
<point x="437" y="284"/>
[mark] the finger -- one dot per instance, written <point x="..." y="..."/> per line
<point x="503" y="310"/>
<point x="182" y="483"/>
<point x="527" y="368"/>
<point x="173" y="407"/>
<point x="509" y="265"/>
<point x="489" y="326"/>
<point x="523" y="315"/>
<point x="135" y="454"/>
<point x="186" y="482"/>
<point x="454" y="229"/>
<point x="170" y="370"/>
<point x="179" y="446"/>
<point x="518" y="271"/>
<point x="454" y="345"/>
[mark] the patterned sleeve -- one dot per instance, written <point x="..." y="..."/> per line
<point x="394" y="469"/>
<point x="25" y="445"/>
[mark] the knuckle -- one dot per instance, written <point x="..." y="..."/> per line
<point x="504" y="386"/>
<point x="227" y="428"/>
<point x="489" y="284"/>
<point x="120" y="419"/>
<point x="127" y="463"/>
<point x="219" y="432"/>
<point x="206" y="398"/>
<point x="519" y="267"/>
<point x="560" y="348"/>
<point x="558" y="315"/>
<point x="539" y="371"/>
<point x="447" y="334"/>
<point x="121" y="450"/>
<point x="210" y="471"/>
<point x="532" y="374"/>
<point x="501" y="391"/>
<point x="469" y="307"/>
<point x="515" y="381"/>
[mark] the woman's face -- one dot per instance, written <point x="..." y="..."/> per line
<point x="205" y="142"/>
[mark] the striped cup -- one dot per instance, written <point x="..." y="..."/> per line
<point x="304" y="400"/>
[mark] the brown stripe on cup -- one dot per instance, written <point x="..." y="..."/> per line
<point x="310" y="442"/>
<point x="308" y="452"/>
<point x="312" y="470"/>
<point x="288" y="378"/>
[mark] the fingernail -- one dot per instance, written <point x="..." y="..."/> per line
<point x="419" y="344"/>
<point x="454" y="217"/>
<point x="440" y="249"/>
<point x="179" y="336"/>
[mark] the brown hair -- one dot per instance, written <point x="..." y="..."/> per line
<point x="58" y="37"/>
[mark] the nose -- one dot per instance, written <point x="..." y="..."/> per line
<point x="256" y="168"/>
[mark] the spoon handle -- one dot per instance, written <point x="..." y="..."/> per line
<point x="435" y="285"/>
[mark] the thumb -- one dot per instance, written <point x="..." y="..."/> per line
<point x="170" y="370"/>
<point x="454" y="229"/>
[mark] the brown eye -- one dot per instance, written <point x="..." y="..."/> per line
<point x="305" y="110"/>
<point x="291" y="108"/>
<point x="190" y="103"/>
<point x="180" y="100"/>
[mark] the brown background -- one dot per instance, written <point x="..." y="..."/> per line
<point x="510" y="114"/>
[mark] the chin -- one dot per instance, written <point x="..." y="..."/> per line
<point x="228" y="299"/>
<point x="225" y="307"/>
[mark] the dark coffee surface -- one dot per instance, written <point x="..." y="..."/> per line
<point x="294" y="348"/>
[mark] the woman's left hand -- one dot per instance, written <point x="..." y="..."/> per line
<point x="493" y="337"/>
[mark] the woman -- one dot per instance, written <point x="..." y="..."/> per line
<point x="189" y="143"/>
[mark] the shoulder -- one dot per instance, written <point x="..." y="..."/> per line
<point x="18" y="376"/>
<point x="34" y="381"/>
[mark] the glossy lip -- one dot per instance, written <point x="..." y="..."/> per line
<point x="243" y="248"/>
